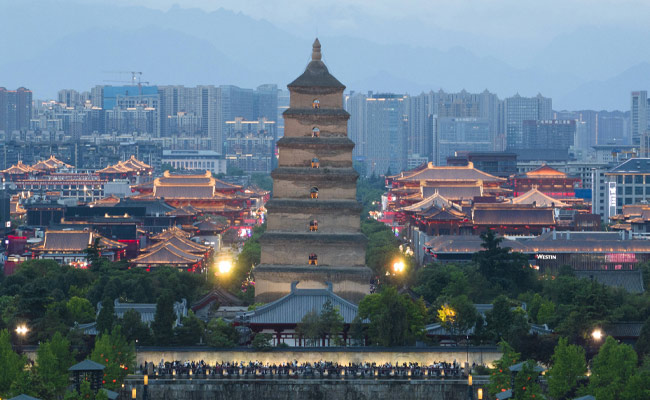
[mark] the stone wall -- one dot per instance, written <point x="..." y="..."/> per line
<point x="303" y="389"/>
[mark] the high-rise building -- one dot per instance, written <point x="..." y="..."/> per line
<point x="355" y="104"/>
<point x="518" y="109"/>
<point x="555" y="134"/>
<point x="386" y="134"/>
<point x="313" y="238"/>
<point x="15" y="109"/>
<point x="639" y="115"/>
<point x="461" y="135"/>
<point x="420" y="126"/>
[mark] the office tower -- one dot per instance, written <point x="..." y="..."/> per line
<point x="461" y="135"/>
<point x="211" y="115"/>
<point x="419" y="128"/>
<point x="638" y="115"/>
<point x="385" y="125"/>
<point x="15" y="109"/>
<point x="518" y="109"/>
<point x="355" y="105"/>
<point x="265" y="102"/>
<point x="548" y="134"/>
<point x="70" y="98"/>
<point x="283" y="105"/>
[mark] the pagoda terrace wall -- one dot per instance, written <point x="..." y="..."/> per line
<point x="273" y="281"/>
<point x="334" y="158"/>
<point x="338" y="221"/>
<point x="328" y="188"/>
<point x="331" y="249"/>
<point x="302" y="126"/>
<point x="328" y="98"/>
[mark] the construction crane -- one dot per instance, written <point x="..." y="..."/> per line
<point x="136" y="76"/>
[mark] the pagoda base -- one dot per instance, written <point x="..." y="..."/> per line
<point x="274" y="281"/>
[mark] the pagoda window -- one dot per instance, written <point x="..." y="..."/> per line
<point x="315" y="132"/>
<point x="315" y="103"/>
<point x="313" y="259"/>
<point x="315" y="163"/>
<point x="313" y="225"/>
<point x="314" y="192"/>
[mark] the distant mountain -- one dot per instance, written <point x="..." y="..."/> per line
<point x="610" y="94"/>
<point x="68" y="44"/>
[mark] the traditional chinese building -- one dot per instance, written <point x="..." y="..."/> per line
<point x="51" y="165"/>
<point x="69" y="247"/>
<point x="313" y="234"/>
<point x="547" y="180"/>
<point x="132" y="169"/>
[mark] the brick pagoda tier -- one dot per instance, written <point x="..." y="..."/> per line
<point x="313" y="231"/>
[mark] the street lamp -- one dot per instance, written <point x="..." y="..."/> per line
<point x="398" y="267"/>
<point x="21" y="331"/>
<point x="597" y="334"/>
<point x="224" y="267"/>
<point x="479" y="392"/>
<point x="470" y="389"/>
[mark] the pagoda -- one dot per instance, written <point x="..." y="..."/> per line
<point x="313" y="227"/>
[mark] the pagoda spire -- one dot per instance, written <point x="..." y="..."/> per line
<point x="316" y="54"/>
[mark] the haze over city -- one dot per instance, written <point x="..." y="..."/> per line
<point x="583" y="54"/>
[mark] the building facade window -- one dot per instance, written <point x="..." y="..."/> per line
<point x="313" y="225"/>
<point x="315" y="103"/>
<point x="315" y="132"/>
<point x="315" y="163"/>
<point x="314" y="192"/>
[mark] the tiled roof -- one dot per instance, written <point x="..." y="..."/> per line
<point x="631" y="281"/>
<point x="19" y="169"/>
<point x="166" y="254"/>
<point x="171" y="232"/>
<point x="491" y="214"/>
<point x="87" y="365"/>
<point x="545" y="171"/>
<point x="291" y="308"/>
<point x="147" y="311"/>
<point x="223" y="297"/>
<point x="23" y="397"/>
<point x="448" y="173"/>
<point x="435" y="199"/>
<point x="539" y="199"/>
<point x="74" y="241"/>
<point x="442" y="214"/>
<point x="181" y="243"/>
<point x="465" y="244"/>
<point x="633" y="166"/>
<point x="316" y="73"/>
<point x="454" y="192"/>
<point x="51" y="164"/>
<point x="624" y="329"/>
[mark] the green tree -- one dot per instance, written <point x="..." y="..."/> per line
<point x="262" y="341"/>
<point x="395" y="320"/>
<point x="117" y="354"/>
<point x="80" y="310"/>
<point x="331" y="322"/>
<point x="53" y="360"/>
<point x="163" y="322"/>
<point x="134" y="329"/>
<point x="612" y="369"/>
<point x="526" y="382"/>
<point x="11" y="364"/>
<point x="458" y="315"/>
<point x="191" y="330"/>
<point x="309" y="328"/>
<point x="643" y="343"/>
<point x="568" y="365"/>
<point x="221" y="334"/>
<point x="501" y="266"/>
<point x="106" y="316"/>
<point x="500" y="376"/>
<point x="546" y="312"/>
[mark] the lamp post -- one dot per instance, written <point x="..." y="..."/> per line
<point x="133" y="394"/>
<point x="21" y="332"/>
<point x="470" y="387"/>
<point x="145" y="395"/>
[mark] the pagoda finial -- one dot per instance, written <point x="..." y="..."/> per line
<point x="315" y="54"/>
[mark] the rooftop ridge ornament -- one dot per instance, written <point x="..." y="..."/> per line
<point x="316" y="54"/>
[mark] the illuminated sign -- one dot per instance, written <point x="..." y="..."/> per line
<point x="611" y="198"/>
<point x="546" y="256"/>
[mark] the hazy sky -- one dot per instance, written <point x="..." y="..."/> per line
<point x="511" y="20"/>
